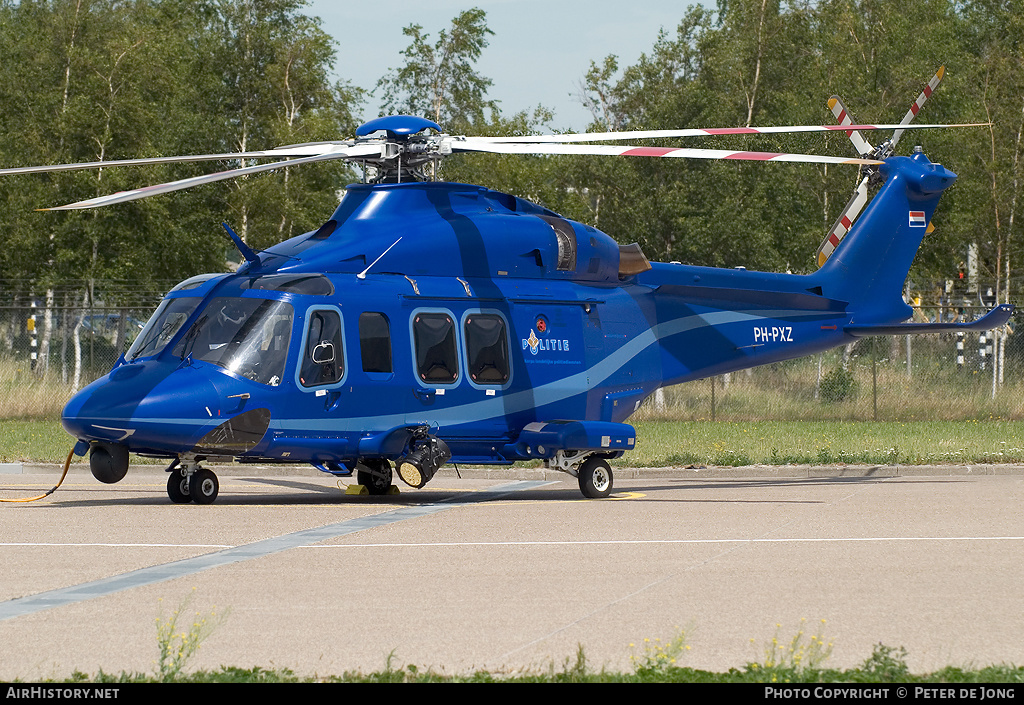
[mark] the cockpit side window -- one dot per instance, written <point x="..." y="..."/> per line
<point x="168" y="319"/>
<point x="323" y="358"/>
<point x="310" y="284"/>
<point x="248" y="337"/>
<point x="195" y="282"/>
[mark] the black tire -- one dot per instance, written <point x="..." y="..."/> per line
<point x="177" y="488"/>
<point x="375" y="475"/>
<point x="203" y="486"/>
<point x="595" y="476"/>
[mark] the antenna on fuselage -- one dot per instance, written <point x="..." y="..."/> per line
<point x="362" y="274"/>
<point x="246" y="251"/>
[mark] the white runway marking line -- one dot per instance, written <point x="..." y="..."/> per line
<point x="159" y="573"/>
<point x="439" y="544"/>
<point x="879" y="539"/>
<point x="729" y="546"/>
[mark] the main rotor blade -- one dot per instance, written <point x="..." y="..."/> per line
<point x="299" y="150"/>
<point x="685" y="153"/>
<point x="696" y="132"/>
<point x="145" y="192"/>
<point x="925" y="94"/>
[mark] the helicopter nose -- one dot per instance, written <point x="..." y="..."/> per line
<point x="104" y="409"/>
<point x="146" y="407"/>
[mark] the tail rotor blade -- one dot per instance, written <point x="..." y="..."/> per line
<point x="844" y="118"/>
<point x="916" y="107"/>
<point x="860" y="196"/>
<point x="842" y="226"/>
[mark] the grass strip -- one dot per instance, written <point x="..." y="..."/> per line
<point x="720" y="443"/>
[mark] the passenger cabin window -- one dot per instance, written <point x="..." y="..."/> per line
<point x="323" y="359"/>
<point x="437" y="358"/>
<point x="486" y="349"/>
<point x="375" y="342"/>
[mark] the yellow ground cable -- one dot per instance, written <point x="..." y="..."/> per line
<point x="67" y="464"/>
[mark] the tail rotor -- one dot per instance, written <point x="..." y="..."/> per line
<point x="869" y="173"/>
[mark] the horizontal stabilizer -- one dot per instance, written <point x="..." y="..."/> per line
<point x="995" y="318"/>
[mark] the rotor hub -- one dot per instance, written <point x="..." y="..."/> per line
<point x="406" y="149"/>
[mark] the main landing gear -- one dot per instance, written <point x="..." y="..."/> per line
<point x="593" y="471"/>
<point x="595" y="476"/>
<point x="188" y="482"/>
<point x="375" y="475"/>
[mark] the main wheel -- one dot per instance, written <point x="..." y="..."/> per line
<point x="177" y="487"/>
<point x="595" y="476"/>
<point x="203" y="486"/>
<point x="375" y="475"/>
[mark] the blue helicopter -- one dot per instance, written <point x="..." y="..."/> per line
<point x="428" y="322"/>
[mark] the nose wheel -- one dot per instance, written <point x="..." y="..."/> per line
<point x="191" y="483"/>
<point x="203" y="486"/>
<point x="177" y="487"/>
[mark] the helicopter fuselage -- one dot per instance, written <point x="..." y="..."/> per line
<point x="479" y="334"/>
<point x="478" y="322"/>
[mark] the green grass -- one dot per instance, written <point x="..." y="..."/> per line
<point x="727" y="443"/>
<point x="720" y="443"/>
<point x="41" y="441"/>
<point x="23" y="395"/>
<point x="791" y="391"/>
<point x="885" y="665"/>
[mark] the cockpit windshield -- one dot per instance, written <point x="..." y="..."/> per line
<point x="170" y="316"/>
<point x="248" y="337"/>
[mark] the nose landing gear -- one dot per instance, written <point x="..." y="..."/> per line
<point x="191" y="483"/>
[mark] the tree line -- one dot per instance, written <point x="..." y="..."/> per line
<point x="95" y="80"/>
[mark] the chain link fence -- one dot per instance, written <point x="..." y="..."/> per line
<point x="69" y="342"/>
<point x="61" y="339"/>
<point x="941" y="377"/>
<point x="946" y="376"/>
<point x="57" y="342"/>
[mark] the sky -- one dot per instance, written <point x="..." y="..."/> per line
<point x="538" y="55"/>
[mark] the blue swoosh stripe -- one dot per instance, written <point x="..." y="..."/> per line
<point x="546" y="394"/>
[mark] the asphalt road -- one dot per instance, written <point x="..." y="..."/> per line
<point x="515" y="570"/>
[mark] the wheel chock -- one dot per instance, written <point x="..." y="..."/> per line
<point x="362" y="489"/>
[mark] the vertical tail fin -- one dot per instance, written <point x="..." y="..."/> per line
<point x="870" y="265"/>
